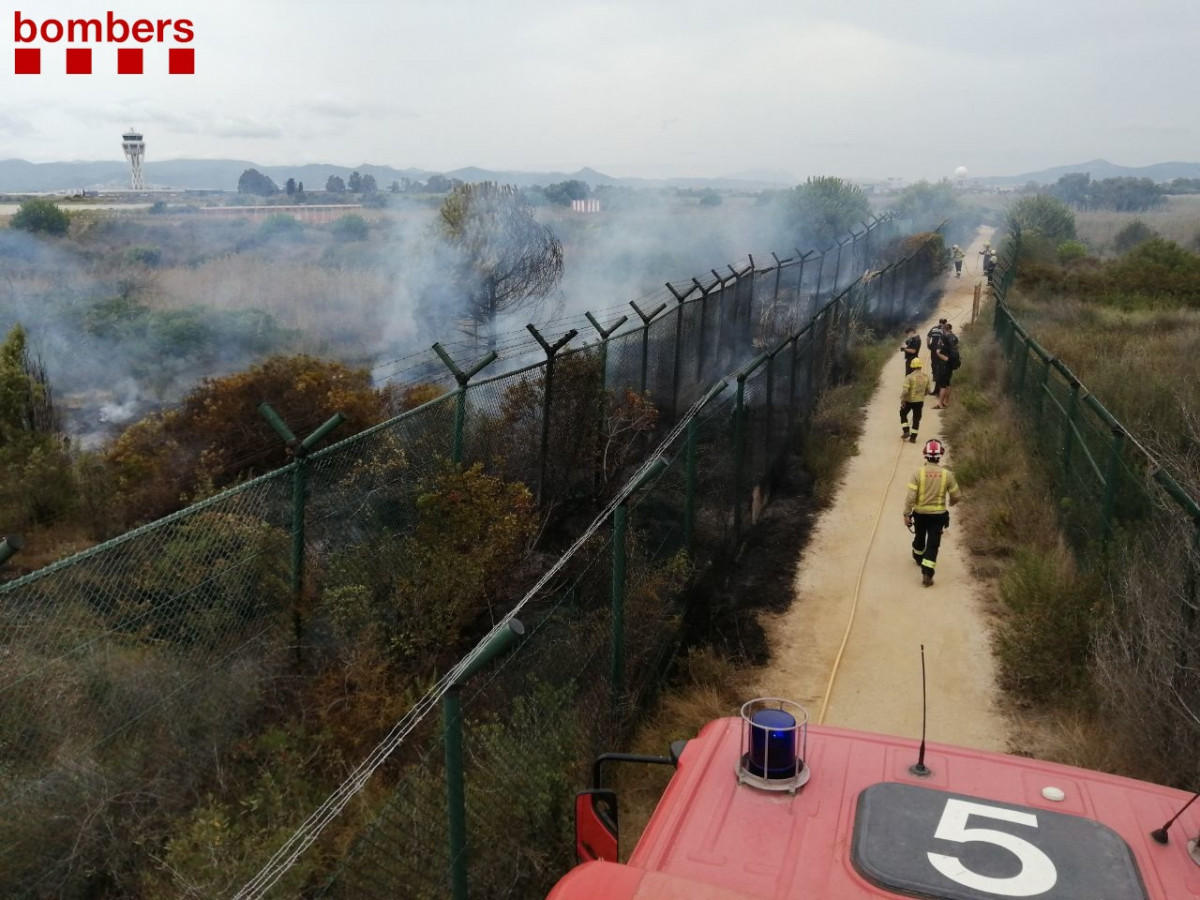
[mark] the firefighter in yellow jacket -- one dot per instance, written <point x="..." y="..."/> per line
<point x="912" y="399"/>
<point x="930" y="491"/>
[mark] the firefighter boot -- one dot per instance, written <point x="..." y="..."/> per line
<point x="927" y="577"/>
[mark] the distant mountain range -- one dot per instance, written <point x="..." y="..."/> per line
<point x="19" y="176"/>
<point x="1102" y="168"/>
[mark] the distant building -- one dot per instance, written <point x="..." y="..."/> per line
<point x="585" y="206"/>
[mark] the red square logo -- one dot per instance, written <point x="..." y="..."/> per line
<point x="129" y="60"/>
<point x="28" y="61"/>
<point x="182" y="61"/>
<point x="79" y="60"/>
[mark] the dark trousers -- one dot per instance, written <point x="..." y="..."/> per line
<point x="927" y="538"/>
<point x="916" y="409"/>
<point x="935" y="371"/>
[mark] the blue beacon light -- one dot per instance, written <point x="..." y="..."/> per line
<point x="773" y="744"/>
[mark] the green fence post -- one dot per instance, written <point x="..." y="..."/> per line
<point x="778" y="273"/>
<point x="1069" y="435"/>
<point x="1043" y="388"/>
<point x="748" y="337"/>
<point x="1022" y="364"/>
<point x="1010" y="340"/>
<point x="678" y="360"/>
<point x="602" y="411"/>
<point x="10" y="545"/>
<point x="820" y="277"/>
<point x="837" y="267"/>
<point x="299" y="450"/>
<point x="547" y="399"/>
<point x="791" y="421"/>
<point x="895" y="268"/>
<point x="693" y="451"/>
<point x="867" y="241"/>
<point x="689" y="494"/>
<point x="770" y="417"/>
<point x="703" y="330"/>
<point x="739" y="447"/>
<point x="605" y="334"/>
<point x="646" y="318"/>
<point x="800" y="273"/>
<point x="452" y="739"/>
<point x="814" y="350"/>
<point x="460" y="400"/>
<point x="619" y="564"/>
<point x="1110" y="483"/>
<point x="726" y="337"/>
<point x="616" y="674"/>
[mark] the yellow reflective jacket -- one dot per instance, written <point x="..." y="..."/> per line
<point x="929" y="488"/>
<point x="916" y="385"/>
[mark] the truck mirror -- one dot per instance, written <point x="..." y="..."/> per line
<point x="596" y="825"/>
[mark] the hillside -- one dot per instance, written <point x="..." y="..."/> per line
<point x="20" y="176"/>
<point x="1102" y="168"/>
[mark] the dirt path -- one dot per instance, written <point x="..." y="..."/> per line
<point x="857" y="584"/>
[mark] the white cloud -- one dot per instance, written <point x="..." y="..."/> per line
<point x="868" y="88"/>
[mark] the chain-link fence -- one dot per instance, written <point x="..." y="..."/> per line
<point x="148" y="677"/>
<point x="1131" y="525"/>
<point x="1110" y="485"/>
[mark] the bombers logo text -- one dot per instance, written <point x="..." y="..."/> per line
<point x="112" y="29"/>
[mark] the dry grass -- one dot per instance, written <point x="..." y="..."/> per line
<point x="300" y="294"/>
<point x="1070" y="645"/>
<point x="838" y="418"/>
<point x="1069" y="736"/>
<point x="1178" y="220"/>
<point x="710" y="688"/>
<point x="1142" y="365"/>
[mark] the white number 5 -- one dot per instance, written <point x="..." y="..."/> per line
<point x="1037" y="873"/>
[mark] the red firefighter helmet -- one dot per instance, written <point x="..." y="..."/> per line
<point x="933" y="450"/>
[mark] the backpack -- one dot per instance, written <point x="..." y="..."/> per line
<point x="955" y="359"/>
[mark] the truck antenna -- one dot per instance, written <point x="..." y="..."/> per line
<point x="920" y="769"/>
<point x="1160" y="834"/>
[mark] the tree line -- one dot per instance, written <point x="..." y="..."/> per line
<point x="1121" y="194"/>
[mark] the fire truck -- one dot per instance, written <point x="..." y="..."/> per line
<point x="763" y="806"/>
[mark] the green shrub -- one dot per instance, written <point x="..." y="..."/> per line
<point x="1136" y="232"/>
<point x="223" y="842"/>
<point x="147" y="256"/>
<point x="417" y="594"/>
<point x="217" y="435"/>
<point x="1044" y="642"/>
<point x="281" y="225"/>
<point x="40" y="217"/>
<point x="1071" y="251"/>
<point x="350" y="228"/>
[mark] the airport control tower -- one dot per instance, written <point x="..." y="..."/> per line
<point x="135" y="149"/>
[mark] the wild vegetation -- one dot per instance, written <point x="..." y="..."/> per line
<point x="448" y="545"/>
<point x="1097" y="639"/>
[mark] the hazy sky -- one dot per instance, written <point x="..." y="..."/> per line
<point x="871" y="88"/>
